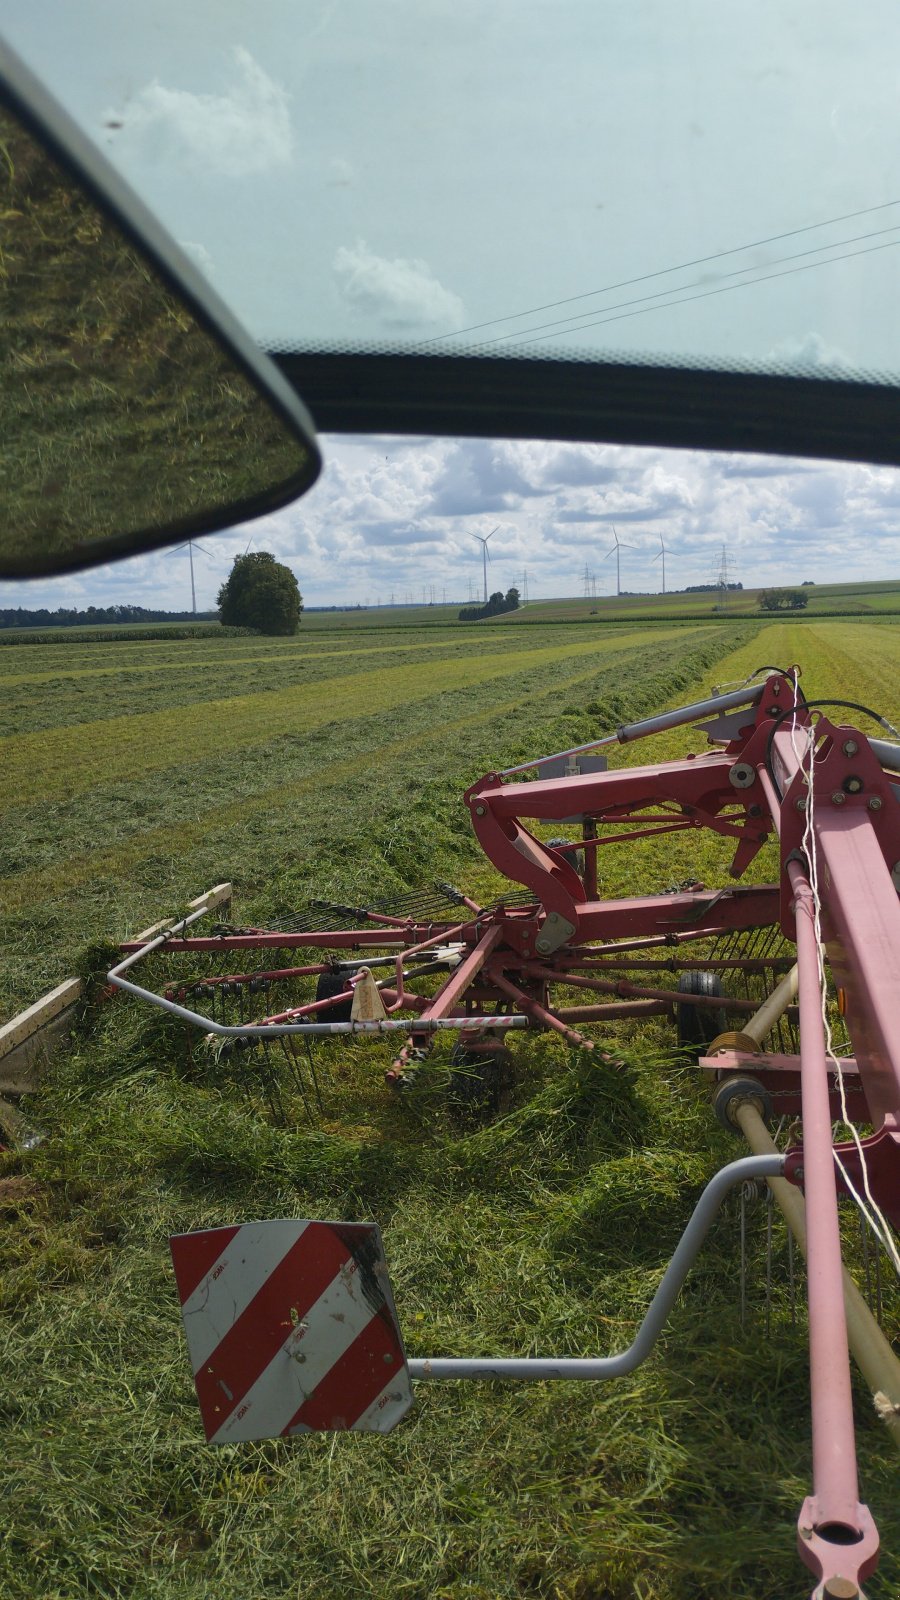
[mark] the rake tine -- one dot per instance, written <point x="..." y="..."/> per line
<point x="309" y="1057"/>
<point x="290" y="1056"/>
<point x="770" y="1203"/>
<point x="743" y="1228"/>
<point x="292" y="1064"/>
<point x="791" y="1281"/>
<point x="265" y="1077"/>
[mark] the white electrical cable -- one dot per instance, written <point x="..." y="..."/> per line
<point x="883" y="1232"/>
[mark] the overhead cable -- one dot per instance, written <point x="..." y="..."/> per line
<point x="663" y="294"/>
<point x="662" y="272"/>
<point x="728" y="288"/>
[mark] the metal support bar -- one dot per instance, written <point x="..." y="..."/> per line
<point x="773" y="1007"/>
<point x="888" y="754"/>
<point x="536" y="1367"/>
<point x="835" y="1484"/>
<point x="750" y="695"/>
<point x="870" y="1349"/>
<point x="264" y="1031"/>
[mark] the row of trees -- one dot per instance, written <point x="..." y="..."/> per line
<point x="96" y="616"/>
<point x="498" y="602"/>
<point x="708" y="588"/>
<point x="783" y="600"/>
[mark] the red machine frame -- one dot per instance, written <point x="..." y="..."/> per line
<point x="778" y="766"/>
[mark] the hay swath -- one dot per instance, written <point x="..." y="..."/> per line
<point x="756" y="975"/>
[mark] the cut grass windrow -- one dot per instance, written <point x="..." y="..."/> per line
<point x="61" y="761"/>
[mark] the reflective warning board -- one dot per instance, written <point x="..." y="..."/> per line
<point x="291" y="1327"/>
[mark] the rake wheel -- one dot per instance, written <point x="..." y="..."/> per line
<point x="699" y="1025"/>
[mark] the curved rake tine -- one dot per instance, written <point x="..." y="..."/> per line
<point x="292" y="1064"/>
<point x="266" y="1078"/>
<point x="315" y="1077"/>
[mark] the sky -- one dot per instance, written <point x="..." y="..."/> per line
<point x="392" y="516"/>
<point x="683" y="182"/>
<point x="694" y="180"/>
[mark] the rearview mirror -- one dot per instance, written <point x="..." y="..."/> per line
<point x="134" y="410"/>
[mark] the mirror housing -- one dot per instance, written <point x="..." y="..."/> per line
<point x="135" y="411"/>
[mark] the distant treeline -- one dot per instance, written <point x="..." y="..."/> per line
<point x="708" y="588"/>
<point x="95" y="616"/>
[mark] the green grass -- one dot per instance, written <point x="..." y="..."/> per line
<point x="140" y="773"/>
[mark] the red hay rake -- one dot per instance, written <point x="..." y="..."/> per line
<point x="767" y="975"/>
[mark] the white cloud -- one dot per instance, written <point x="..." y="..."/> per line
<point x="809" y="352"/>
<point x="200" y="256"/>
<point x="397" y="294"/>
<point x="244" y="130"/>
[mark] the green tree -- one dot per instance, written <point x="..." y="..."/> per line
<point x="783" y="600"/>
<point x="260" y="593"/>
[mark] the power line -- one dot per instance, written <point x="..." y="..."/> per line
<point x="661" y="294"/>
<point x="728" y="289"/>
<point x="662" y="272"/>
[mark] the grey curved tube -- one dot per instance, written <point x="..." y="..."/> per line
<point x="535" y="1367"/>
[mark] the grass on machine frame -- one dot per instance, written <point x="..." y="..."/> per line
<point x="543" y="1231"/>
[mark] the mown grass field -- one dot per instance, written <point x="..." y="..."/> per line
<point x="134" y="775"/>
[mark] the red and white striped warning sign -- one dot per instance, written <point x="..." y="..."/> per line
<point x="291" y="1327"/>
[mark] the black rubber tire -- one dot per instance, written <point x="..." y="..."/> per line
<point x="333" y="983"/>
<point x="570" y="852"/>
<point x="699" y="1025"/>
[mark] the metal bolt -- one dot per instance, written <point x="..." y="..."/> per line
<point x="742" y="775"/>
<point x="838" y="798"/>
<point x="875" y="803"/>
<point x="801" y="803"/>
<point x="479" y="811"/>
<point x="798" y="1175"/>
<point x="850" y="747"/>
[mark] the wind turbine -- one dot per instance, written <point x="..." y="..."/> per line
<point x="620" y="544"/>
<point x="190" y="546"/>
<point x="662" y="555"/>
<point x="484" y="552"/>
